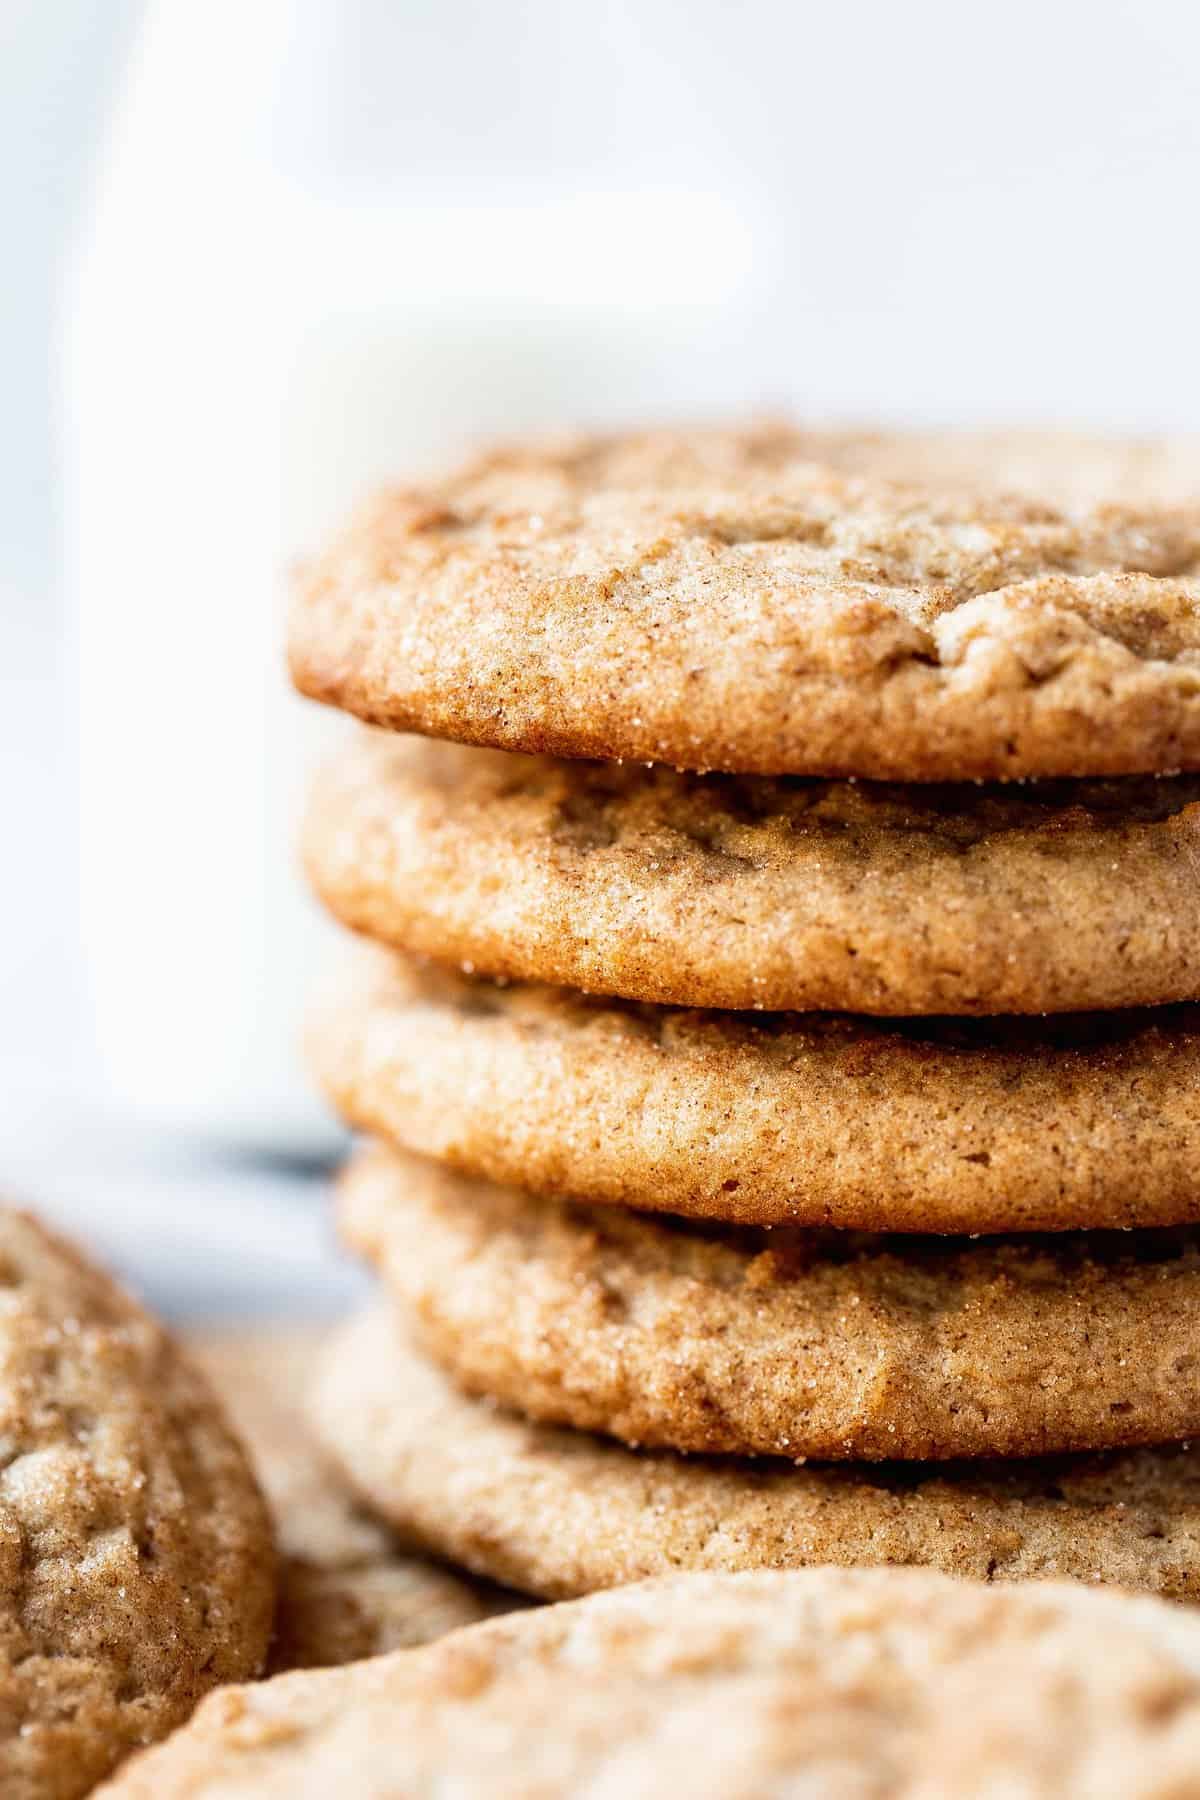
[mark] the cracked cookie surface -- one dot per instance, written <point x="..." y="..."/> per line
<point x="777" y="601"/>
<point x="136" y="1562"/>
<point x="753" y="892"/>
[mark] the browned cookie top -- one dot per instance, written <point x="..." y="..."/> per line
<point x="136" y="1563"/>
<point x="777" y="601"/>
<point x="753" y="891"/>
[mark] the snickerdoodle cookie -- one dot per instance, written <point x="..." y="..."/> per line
<point x="764" y="600"/>
<point x="1091" y="1120"/>
<point x="853" y="1685"/>
<point x="556" y="1513"/>
<point x="347" y="1588"/>
<point x="787" y="1342"/>
<point x="136" y="1562"/>
<point x="746" y="891"/>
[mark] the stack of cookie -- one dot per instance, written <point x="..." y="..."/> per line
<point x="792" y="1160"/>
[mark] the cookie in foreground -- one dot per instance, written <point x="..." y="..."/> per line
<point x="832" y="1682"/>
<point x="138" y="1568"/>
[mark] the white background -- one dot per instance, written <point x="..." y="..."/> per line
<point x="933" y="211"/>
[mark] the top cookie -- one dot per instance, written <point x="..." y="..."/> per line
<point x="136" y="1565"/>
<point x="851" y="1685"/>
<point x="780" y="602"/>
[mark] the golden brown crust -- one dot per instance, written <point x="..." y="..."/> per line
<point x="745" y="600"/>
<point x="137" y="1568"/>
<point x="729" y="891"/>
<point x="787" y="1342"/>
<point x="934" y="1125"/>
<point x="869" y="1685"/>
<point x="347" y="1589"/>
<point x="558" y="1513"/>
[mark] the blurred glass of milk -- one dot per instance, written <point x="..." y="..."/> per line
<point x="277" y="303"/>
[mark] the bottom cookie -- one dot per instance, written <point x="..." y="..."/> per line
<point x="557" y="1513"/>
<point x="347" y="1589"/>
<point x="847" y="1684"/>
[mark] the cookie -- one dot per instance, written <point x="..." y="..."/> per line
<point x="557" y="1513"/>
<point x="926" y="1125"/>
<point x="787" y="1342"/>
<point x="851" y="1685"/>
<point x="346" y="1587"/>
<point x="726" y="891"/>
<point x="746" y="600"/>
<point x="136" y="1563"/>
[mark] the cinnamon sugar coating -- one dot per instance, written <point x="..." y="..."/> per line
<point x="136" y="1562"/>
<point x="750" y="892"/>
<point x="969" y="1125"/>
<point x="787" y="1342"/>
<point x="559" y="1513"/>
<point x="775" y="601"/>
<point x="870" y="1685"/>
